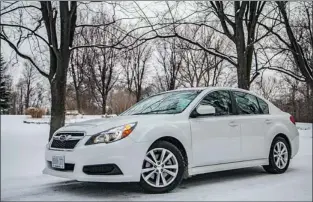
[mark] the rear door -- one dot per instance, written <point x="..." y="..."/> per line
<point x="252" y="125"/>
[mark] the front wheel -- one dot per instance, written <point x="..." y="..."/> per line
<point x="279" y="157"/>
<point x="163" y="168"/>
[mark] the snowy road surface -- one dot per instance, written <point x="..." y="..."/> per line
<point x="22" y="160"/>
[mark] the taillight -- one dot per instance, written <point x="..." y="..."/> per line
<point x="292" y="119"/>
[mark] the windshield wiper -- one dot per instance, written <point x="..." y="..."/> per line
<point x="155" y="111"/>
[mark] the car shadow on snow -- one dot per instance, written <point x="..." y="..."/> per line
<point x="130" y="190"/>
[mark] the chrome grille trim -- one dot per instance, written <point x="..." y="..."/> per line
<point x="66" y="136"/>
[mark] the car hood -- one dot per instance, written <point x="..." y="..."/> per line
<point x="91" y="127"/>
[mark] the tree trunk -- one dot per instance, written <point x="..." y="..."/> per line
<point x="27" y="99"/>
<point x="104" y="104"/>
<point x="78" y="101"/>
<point x="293" y="101"/>
<point x="171" y="84"/>
<point x="57" y="106"/>
<point x="242" y="77"/>
<point x="242" y="68"/>
<point x="138" y="94"/>
<point x="58" y="93"/>
<point x="21" y="102"/>
<point x="243" y="82"/>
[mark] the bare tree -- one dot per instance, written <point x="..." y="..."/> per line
<point x="28" y="78"/>
<point x="135" y="65"/>
<point x="20" y="91"/>
<point x="268" y="87"/>
<point x="300" y="37"/>
<point x="294" y="42"/>
<point x="39" y="96"/>
<point x="199" y="67"/>
<point x="78" y="64"/>
<point x="102" y="64"/>
<point x="119" y="99"/>
<point x="170" y="62"/>
<point x="241" y="28"/>
<point x="239" y="25"/>
<point x="58" y="43"/>
<point x="52" y="25"/>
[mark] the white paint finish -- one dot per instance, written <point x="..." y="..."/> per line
<point x="252" y="136"/>
<point x="215" y="140"/>
<point x="205" y="110"/>
<point x="126" y="154"/>
<point x="227" y="166"/>
<point x="207" y="140"/>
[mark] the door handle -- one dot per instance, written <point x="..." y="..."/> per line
<point x="267" y="121"/>
<point x="233" y="124"/>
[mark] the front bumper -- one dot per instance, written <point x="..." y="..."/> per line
<point x="126" y="154"/>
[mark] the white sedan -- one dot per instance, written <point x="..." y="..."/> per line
<point x="175" y="135"/>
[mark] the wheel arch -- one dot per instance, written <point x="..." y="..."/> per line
<point x="282" y="135"/>
<point x="175" y="142"/>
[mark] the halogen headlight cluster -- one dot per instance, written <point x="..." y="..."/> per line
<point x="112" y="134"/>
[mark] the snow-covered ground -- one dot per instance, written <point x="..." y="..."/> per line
<point x="22" y="160"/>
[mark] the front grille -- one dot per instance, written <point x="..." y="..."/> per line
<point x="102" y="169"/>
<point x="67" y="144"/>
<point x="66" y="140"/>
<point x="67" y="167"/>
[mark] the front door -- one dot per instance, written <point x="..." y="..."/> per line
<point x="216" y="138"/>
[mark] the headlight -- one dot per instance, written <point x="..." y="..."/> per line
<point x="112" y="134"/>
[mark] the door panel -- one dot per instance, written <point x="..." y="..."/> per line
<point x="252" y="136"/>
<point x="216" y="139"/>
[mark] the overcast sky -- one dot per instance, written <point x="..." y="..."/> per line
<point x="128" y="9"/>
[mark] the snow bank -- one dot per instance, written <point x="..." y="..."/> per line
<point x="304" y="126"/>
<point x="68" y="119"/>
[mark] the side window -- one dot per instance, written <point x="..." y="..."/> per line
<point x="220" y="100"/>
<point x="246" y="103"/>
<point x="263" y="106"/>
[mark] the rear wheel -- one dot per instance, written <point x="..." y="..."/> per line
<point x="279" y="157"/>
<point x="163" y="168"/>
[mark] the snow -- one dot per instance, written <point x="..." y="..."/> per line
<point x="22" y="161"/>
<point x="68" y="119"/>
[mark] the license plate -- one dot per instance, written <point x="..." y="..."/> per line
<point x="58" y="162"/>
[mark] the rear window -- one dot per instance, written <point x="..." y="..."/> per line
<point x="263" y="106"/>
<point x="246" y="103"/>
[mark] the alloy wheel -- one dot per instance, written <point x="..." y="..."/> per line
<point x="160" y="167"/>
<point x="280" y="155"/>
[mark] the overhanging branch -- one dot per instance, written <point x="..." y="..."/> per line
<point x="22" y="55"/>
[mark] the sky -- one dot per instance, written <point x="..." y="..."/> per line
<point x="128" y="9"/>
<point x="17" y="65"/>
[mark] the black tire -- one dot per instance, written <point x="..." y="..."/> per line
<point x="272" y="167"/>
<point x="181" y="169"/>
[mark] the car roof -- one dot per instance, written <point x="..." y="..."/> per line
<point x="207" y="89"/>
<point x="211" y="88"/>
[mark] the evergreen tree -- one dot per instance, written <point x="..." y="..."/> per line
<point x="4" y="88"/>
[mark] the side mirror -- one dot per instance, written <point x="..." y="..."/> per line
<point x="205" y="110"/>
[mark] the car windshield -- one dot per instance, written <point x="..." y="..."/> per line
<point x="165" y="103"/>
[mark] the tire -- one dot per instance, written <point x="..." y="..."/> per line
<point x="158" y="172"/>
<point x="282" y="165"/>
